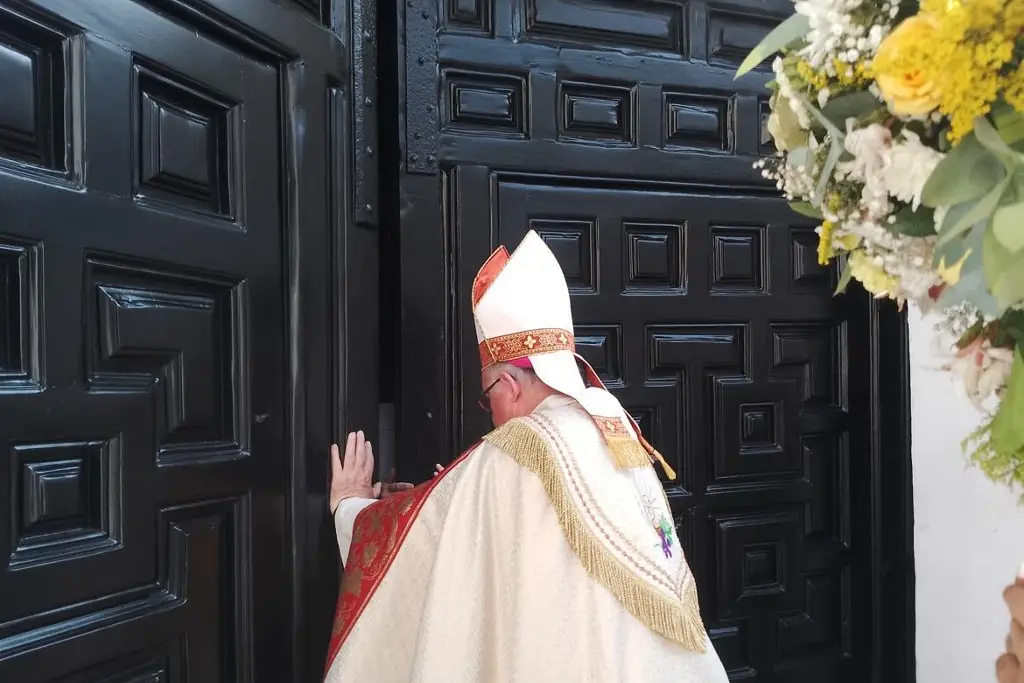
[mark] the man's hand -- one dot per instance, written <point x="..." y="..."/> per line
<point x="1010" y="667"/>
<point x="390" y="487"/>
<point x="354" y="478"/>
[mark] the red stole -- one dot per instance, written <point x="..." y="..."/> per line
<point x="377" y="536"/>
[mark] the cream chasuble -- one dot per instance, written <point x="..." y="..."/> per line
<point x="508" y="568"/>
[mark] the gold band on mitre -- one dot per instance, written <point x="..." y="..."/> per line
<point x="512" y="347"/>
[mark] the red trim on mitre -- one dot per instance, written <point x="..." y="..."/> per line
<point x="512" y="347"/>
<point x="488" y="273"/>
<point x="377" y="536"/>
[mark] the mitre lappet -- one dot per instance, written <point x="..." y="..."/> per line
<point x="523" y="316"/>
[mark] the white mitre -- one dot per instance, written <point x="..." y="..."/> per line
<point x="521" y="309"/>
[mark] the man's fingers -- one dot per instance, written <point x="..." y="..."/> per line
<point x="360" y="450"/>
<point x="377" y="490"/>
<point x="1016" y="639"/>
<point x="1007" y="669"/>
<point x="1014" y="596"/>
<point x="367" y="467"/>
<point x="335" y="461"/>
<point x="350" y="450"/>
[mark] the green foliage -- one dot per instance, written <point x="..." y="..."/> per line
<point x="920" y="223"/>
<point x="786" y="33"/>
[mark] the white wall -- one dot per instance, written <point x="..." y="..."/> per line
<point x="969" y="532"/>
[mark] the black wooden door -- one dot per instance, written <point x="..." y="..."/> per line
<point x="179" y="233"/>
<point x="616" y="131"/>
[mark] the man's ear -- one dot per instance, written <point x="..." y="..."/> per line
<point x="515" y="386"/>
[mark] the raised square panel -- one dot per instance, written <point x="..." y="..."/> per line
<point x="655" y="259"/>
<point x="697" y="122"/>
<point x="757" y="557"/>
<point x="642" y="24"/>
<point x="602" y="113"/>
<point x="468" y="16"/>
<point x="759" y="426"/>
<point x="672" y="347"/>
<point x="488" y="104"/>
<point x="182" y="338"/>
<point x="738" y="260"/>
<point x="21" y="335"/>
<point x="807" y="272"/>
<point x="33" y="80"/>
<point x="756" y="432"/>
<point x="66" y="500"/>
<point x="732" y="35"/>
<point x="601" y="345"/>
<point x="572" y="243"/>
<point x="808" y="351"/>
<point x="188" y="142"/>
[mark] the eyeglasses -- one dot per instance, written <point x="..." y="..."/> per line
<point x="484" y="401"/>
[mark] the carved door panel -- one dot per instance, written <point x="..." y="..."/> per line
<point x="166" y="219"/>
<point x="616" y="131"/>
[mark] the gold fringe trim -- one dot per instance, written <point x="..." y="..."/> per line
<point x="680" y="622"/>
<point x="627" y="452"/>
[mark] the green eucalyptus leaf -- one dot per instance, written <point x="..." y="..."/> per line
<point x="950" y="252"/>
<point x="805" y="209"/>
<point x="851" y="105"/>
<point x="1004" y="271"/>
<point x="1008" y="226"/>
<point x="990" y="139"/>
<point x="1007" y="427"/>
<point x="1009" y="122"/>
<point x="1010" y="289"/>
<point x="967" y="172"/>
<point x="844" y="278"/>
<point x="920" y="223"/>
<point x="955" y="224"/>
<point x="834" y="131"/>
<point x="972" y="287"/>
<point x="781" y="36"/>
<point x="826" y="171"/>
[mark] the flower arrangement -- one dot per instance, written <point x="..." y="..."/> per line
<point x="900" y="127"/>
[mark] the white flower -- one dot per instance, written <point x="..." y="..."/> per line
<point x="984" y="369"/>
<point x="786" y="90"/>
<point x="910" y="164"/>
<point x="870" y="149"/>
<point x="836" y="33"/>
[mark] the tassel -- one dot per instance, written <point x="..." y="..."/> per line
<point x="669" y="472"/>
<point x="627" y="452"/>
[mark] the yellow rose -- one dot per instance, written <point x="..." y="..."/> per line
<point x="898" y="67"/>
